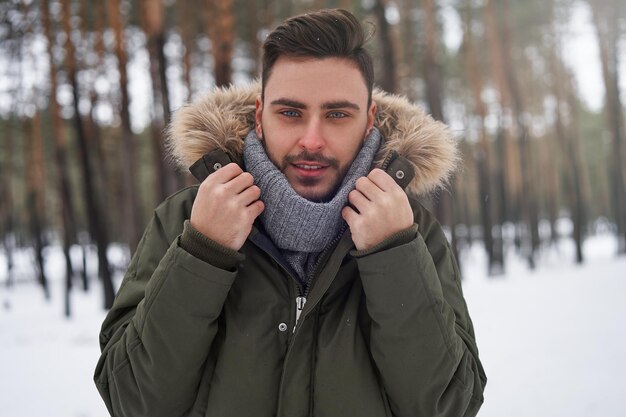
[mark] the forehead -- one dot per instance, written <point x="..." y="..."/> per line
<point x="316" y="81"/>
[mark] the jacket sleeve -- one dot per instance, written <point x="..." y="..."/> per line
<point x="421" y="337"/>
<point x="157" y="336"/>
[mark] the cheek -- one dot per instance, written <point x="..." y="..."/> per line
<point x="274" y="143"/>
<point x="274" y="150"/>
<point x="351" y="147"/>
<point x="280" y="140"/>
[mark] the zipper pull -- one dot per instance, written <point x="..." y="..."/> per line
<point x="300" y="302"/>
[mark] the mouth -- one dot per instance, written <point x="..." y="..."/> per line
<point x="309" y="169"/>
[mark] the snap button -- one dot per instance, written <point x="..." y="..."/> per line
<point x="400" y="174"/>
<point x="282" y="327"/>
<point x="217" y="166"/>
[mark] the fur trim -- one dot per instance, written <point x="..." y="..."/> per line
<point x="223" y="118"/>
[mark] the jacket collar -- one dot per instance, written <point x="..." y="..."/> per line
<point x="223" y="117"/>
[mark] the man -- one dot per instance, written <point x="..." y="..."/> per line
<point x="297" y="280"/>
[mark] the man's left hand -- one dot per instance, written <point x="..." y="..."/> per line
<point x="380" y="208"/>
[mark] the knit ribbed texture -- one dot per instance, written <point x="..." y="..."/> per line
<point x="301" y="228"/>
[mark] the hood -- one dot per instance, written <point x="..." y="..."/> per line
<point x="223" y="117"/>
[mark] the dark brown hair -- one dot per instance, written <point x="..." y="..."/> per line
<point x="321" y="34"/>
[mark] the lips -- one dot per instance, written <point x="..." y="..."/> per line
<point x="309" y="169"/>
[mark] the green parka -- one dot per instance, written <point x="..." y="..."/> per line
<point x="384" y="332"/>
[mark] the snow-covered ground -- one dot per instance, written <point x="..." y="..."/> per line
<point x="552" y="341"/>
<point x="46" y="360"/>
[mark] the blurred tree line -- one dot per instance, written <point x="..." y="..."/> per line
<point x="82" y="160"/>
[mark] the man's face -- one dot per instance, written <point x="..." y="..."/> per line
<point x="313" y="120"/>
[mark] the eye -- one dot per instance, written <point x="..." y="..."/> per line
<point x="290" y="113"/>
<point x="337" y="115"/>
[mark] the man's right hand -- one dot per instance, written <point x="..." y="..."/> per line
<point x="226" y="206"/>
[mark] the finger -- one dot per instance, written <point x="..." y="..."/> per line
<point x="255" y="209"/>
<point x="249" y="195"/>
<point x="367" y="187"/>
<point x="225" y="174"/>
<point x="240" y="183"/>
<point x="349" y="215"/>
<point x="358" y="200"/>
<point x="383" y="180"/>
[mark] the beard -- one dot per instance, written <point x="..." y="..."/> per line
<point x="330" y="163"/>
<point x="318" y="196"/>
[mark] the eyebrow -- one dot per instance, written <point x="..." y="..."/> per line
<point x="289" y="103"/>
<point x="330" y="105"/>
<point x="340" y="104"/>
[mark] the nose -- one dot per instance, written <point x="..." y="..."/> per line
<point x="312" y="138"/>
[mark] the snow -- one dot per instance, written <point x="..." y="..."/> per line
<point x="552" y="341"/>
<point x="46" y="360"/>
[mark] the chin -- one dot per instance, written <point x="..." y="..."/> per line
<point x="316" y="190"/>
<point x="316" y="195"/>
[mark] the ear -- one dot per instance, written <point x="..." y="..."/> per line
<point x="371" y="116"/>
<point x="258" y="128"/>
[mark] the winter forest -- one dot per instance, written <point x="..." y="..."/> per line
<point x="538" y="206"/>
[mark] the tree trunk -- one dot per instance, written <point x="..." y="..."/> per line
<point x="409" y="70"/>
<point x="432" y="70"/>
<point x="253" y="37"/>
<point x="581" y="197"/>
<point x="187" y="23"/>
<point x="68" y="231"/>
<point x="606" y="24"/>
<point x="502" y="179"/>
<point x="222" y="34"/>
<point x="129" y="157"/>
<point x="104" y="180"/>
<point x="487" y="196"/>
<point x="104" y="171"/>
<point x="152" y="18"/>
<point x="584" y="186"/>
<point x="549" y="157"/>
<point x="433" y="93"/>
<point x="6" y="199"/>
<point x="33" y="165"/>
<point x="506" y="183"/>
<point x="389" y="79"/>
<point x="572" y="167"/>
<point x="94" y="211"/>
<point x="528" y="200"/>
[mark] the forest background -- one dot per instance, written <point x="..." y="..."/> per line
<point x="87" y="89"/>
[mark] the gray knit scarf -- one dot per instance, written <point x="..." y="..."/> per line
<point x="301" y="228"/>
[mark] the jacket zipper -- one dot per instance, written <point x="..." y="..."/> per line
<point x="302" y="296"/>
<point x="300" y="302"/>
<point x="300" y="299"/>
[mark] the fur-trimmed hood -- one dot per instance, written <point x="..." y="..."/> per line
<point x="223" y="117"/>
